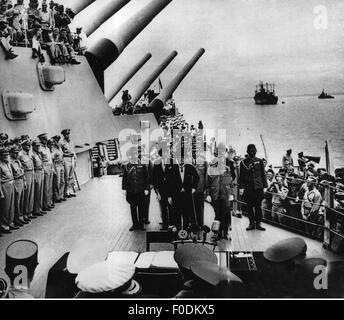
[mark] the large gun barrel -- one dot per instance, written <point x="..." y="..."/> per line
<point x="158" y="103"/>
<point x="100" y="11"/>
<point x="77" y="5"/>
<point x="141" y="89"/>
<point x="120" y="84"/>
<point x="107" y="49"/>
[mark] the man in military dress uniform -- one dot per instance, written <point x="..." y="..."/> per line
<point x="59" y="174"/>
<point x="19" y="185"/>
<point x="39" y="178"/>
<point x="252" y="181"/>
<point x="48" y="172"/>
<point x="136" y="183"/>
<point x="25" y="157"/>
<point x="69" y="157"/>
<point x="6" y="192"/>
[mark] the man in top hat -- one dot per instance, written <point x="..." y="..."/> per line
<point x="21" y="263"/>
<point x="252" y="181"/>
<point x="159" y="180"/>
<point x="26" y="159"/>
<point x="59" y="174"/>
<point x="48" y="173"/>
<point x="19" y="185"/>
<point x="182" y="181"/>
<point x="135" y="182"/>
<point x="6" y="192"/>
<point x="38" y="178"/>
<point x="69" y="158"/>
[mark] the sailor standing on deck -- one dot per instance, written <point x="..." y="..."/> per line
<point x="69" y="157"/>
<point x="6" y="192"/>
<point x="136" y="183"/>
<point x="38" y="178"/>
<point x="25" y="157"/>
<point x="48" y="173"/>
<point x="19" y="185"/>
<point x="252" y="181"/>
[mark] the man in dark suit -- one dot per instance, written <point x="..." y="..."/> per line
<point x="252" y="181"/>
<point x="182" y="180"/>
<point x="159" y="181"/>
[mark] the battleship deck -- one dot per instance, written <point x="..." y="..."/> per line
<point x="100" y="208"/>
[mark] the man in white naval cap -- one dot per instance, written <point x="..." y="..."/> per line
<point x="21" y="263"/>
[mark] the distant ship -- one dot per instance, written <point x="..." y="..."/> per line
<point x="324" y="95"/>
<point x="265" y="95"/>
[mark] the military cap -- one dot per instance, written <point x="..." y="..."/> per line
<point x="86" y="252"/>
<point x="36" y="142"/>
<point x="212" y="273"/>
<point x="189" y="253"/>
<point x="3" y="136"/>
<point x="108" y="276"/>
<point x="16" y="140"/>
<point x="25" y="137"/>
<point x="4" y="151"/>
<point x="26" y="142"/>
<point x="57" y="138"/>
<point x="42" y="135"/>
<point x="65" y="131"/>
<point x="286" y="250"/>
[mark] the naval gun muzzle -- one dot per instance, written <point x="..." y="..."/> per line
<point x="120" y="84"/>
<point x="78" y="5"/>
<point x="159" y="102"/>
<point x="141" y="89"/>
<point x="97" y="13"/>
<point x="107" y="49"/>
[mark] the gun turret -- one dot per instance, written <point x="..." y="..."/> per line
<point x="100" y="11"/>
<point x="141" y="89"/>
<point x="119" y="85"/>
<point x="107" y="49"/>
<point x="77" y="5"/>
<point x="158" y="103"/>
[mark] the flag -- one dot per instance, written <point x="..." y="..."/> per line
<point x="160" y="84"/>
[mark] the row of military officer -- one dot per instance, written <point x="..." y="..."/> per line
<point x="181" y="189"/>
<point x="33" y="176"/>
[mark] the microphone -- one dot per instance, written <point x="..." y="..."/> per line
<point x="215" y="228"/>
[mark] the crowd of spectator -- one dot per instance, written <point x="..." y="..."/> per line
<point x="295" y="196"/>
<point x="44" y="27"/>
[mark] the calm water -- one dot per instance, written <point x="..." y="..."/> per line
<point x="302" y="124"/>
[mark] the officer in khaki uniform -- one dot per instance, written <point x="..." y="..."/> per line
<point x="48" y="173"/>
<point x="39" y="176"/>
<point x="136" y="183"/>
<point x="25" y="157"/>
<point x="6" y="192"/>
<point x="58" y="165"/>
<point x="19" y="185"/>
<point x="69" y="157"/>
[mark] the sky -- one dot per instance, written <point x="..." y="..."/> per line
<point x="245" y="41"/>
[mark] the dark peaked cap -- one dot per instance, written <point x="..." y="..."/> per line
<point x="190" y="253"/>
<point x="286" y="250"/>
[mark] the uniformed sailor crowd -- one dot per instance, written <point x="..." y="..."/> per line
<point x="42" y="28"/>
<point x="34" y="176"/>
